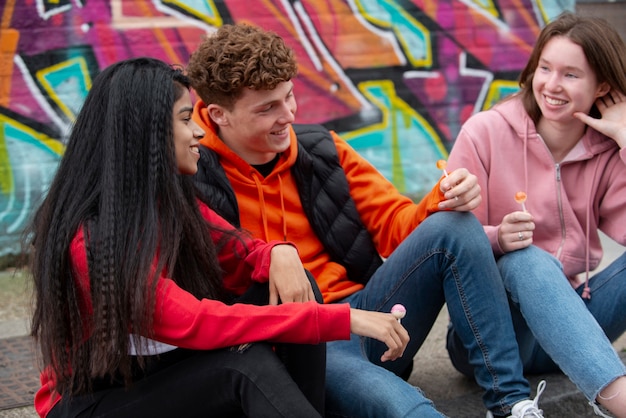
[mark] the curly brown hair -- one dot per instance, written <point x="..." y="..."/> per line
<point x="237" y="57"/>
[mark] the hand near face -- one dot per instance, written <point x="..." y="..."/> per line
<point x="461" y="191"/>
<point x="516" y="231"/>
<point x="381" y="326"/>
<point x="288" y="281"/>
<point x="612" y="106"/>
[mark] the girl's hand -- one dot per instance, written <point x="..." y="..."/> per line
<point x="382" y="326"/>
<point x="612" y="106"/>
<point x="516" y="231"/>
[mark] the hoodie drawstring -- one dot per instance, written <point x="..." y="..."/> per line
<point x="526" y="157"/>
<point x="282" y="207"/>
<point x="587" y="290"/>
<point x="259" y="188"/>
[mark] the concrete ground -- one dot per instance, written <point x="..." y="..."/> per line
<point x="453" y="394"/>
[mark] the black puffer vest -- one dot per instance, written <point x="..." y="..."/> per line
<point x="325" y="197"/>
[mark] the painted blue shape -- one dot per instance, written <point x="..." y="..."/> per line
<point x="33" y="166"/>
<point x="69" y="85"/>
<point x="417" y="148"/>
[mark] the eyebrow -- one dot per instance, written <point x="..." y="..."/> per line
<point x="567" y="67"/>
<point x="185" y="109"/>
<point x="261" y="105"/>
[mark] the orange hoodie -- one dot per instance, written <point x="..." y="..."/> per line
<point x="270" y="206"/>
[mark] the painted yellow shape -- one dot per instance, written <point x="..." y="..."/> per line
<point x="496" y="88"/>
<point x="213" y="17"/>
<point x="6" y="179"/>
<point x="52" y="93"/>
<point x="488" y="6"/>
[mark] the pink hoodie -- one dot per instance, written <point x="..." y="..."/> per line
<point x="569" y="201"/>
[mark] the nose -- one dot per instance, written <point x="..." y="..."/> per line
<point x="553" y="81"/>
<point x="288" y="113"/>
<point x="198" y="132"/>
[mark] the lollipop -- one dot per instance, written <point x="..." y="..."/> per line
<point x="442" y="164"/>
<point x="398" y="311"/>
<point x="520" y="197"/>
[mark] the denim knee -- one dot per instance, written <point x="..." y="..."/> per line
<point x="517" y="267"/>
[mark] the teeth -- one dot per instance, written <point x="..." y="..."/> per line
<point x="555" y="102"/>
<point x="282" y="131"/>
<point x="195" y="149"/>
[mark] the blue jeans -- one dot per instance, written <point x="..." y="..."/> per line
<point x="555" y="325"/>
<point x="447" y="259"/>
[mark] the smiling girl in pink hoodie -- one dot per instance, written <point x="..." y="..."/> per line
<point x="561" y="141"/>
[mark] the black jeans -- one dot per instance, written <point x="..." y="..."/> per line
<point x="305" y="363"/>
<point x="251" y="382"/>
<point x="259" y="380"/>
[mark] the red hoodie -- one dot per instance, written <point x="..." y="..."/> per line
<point x="182" y="320"/>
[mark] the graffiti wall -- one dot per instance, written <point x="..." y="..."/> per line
<point x="396" y="78"/>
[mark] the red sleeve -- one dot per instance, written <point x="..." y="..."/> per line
<point x="243" y="259"/>
<point x="183" y="320"/>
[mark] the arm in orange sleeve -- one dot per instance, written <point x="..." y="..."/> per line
<point x="388" y="215"/>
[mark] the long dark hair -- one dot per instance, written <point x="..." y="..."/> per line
<point x="601" y="43"/>
<point x="118" y="180"/>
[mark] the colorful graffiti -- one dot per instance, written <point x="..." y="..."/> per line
<point x="396" y="78"/>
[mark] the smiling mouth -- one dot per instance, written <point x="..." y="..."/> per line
<point x="195" y="149"/>
<point x="281" y="132"/>
<point x="554" y="102"/>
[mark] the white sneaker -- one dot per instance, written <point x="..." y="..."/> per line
<point x="527" y="408"/>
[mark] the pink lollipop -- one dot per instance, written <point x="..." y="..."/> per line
<point x="398" y="311"/>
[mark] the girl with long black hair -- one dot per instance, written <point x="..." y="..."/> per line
<point x="137" y="284"/>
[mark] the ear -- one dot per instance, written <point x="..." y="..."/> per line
<point x="217" y="114"/>
<point x="602" y="89"/>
